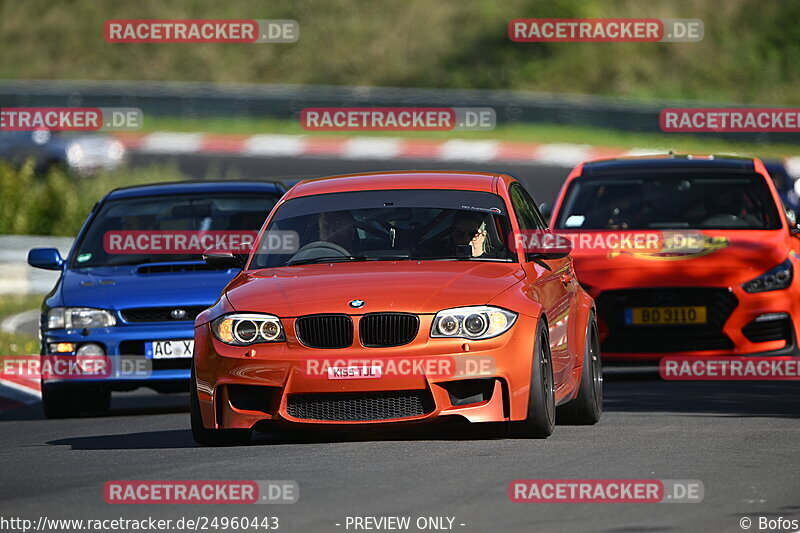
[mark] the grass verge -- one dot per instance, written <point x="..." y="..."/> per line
<point x="14" y="344"/>
<point x="57" y="203"/>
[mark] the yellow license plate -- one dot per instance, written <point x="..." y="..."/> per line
<point x="665" y="315"/>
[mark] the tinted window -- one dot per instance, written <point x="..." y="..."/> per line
<point x="662" y="201"/>
<point x="528" y="215"/>
<point x="221" y="212"/>
<point x="391" y="225"/>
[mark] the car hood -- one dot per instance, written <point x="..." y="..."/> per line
<point x="726" y="258"/>
<point x="402" y="286"/>
<point x="122" y="287"/>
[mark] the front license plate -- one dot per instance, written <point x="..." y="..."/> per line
<point x="355" y="372"/>
<point x="169" y="349"/>
<point x="659" y="316"/>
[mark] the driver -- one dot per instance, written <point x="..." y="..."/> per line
<point x="338" y="227"/>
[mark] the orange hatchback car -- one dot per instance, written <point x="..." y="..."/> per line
<point x="404" y="299"/>
<point x="720" y="280"/>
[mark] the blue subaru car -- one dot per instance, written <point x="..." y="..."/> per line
<point x="141" y="303"/>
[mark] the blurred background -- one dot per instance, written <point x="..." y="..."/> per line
<point x="231" y="110"/>
<point x="750" y="53"/>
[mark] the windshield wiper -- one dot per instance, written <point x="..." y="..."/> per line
<point x="330" y="259"/>
<point x="398" y="257"/>
<point x="451" y="258"/>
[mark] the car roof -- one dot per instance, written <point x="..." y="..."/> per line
<point x="416" y="179"/>
<point x="668" y="162"/>
<point x="197" y="186"/>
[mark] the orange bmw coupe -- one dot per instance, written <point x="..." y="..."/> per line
<point x="720" y="280"/>
<point x="396" y="298"/>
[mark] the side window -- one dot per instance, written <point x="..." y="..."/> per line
<point x="528" y="215"/>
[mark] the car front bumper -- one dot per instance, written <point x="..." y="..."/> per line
<point x="758" y="324"/>
<point x="126" y="340"/>
<point x="240" y="387"/>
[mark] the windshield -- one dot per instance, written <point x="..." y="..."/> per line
<point x="704" y="201"/>
<point x="244" y="211"/>
<point x="391" y="225"/>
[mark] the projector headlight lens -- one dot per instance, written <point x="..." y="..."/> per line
<point x="778" y="278"/>
<point x="479" y="322"/>
<point x="244" y="329"/>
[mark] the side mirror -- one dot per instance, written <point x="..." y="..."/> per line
<point x="223" y="260"/>
<point x="547" y="209"/>
<point x="45" y="258"/>
<point x="549" y="246"/>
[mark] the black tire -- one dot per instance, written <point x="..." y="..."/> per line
<point x="96" y="400"/>
<point x="72" y="401"/>
<point x="587" y="407"/>
<point x="212" y="437"/>
<point x="541" y="417"/>
<point x="59" y="403"/>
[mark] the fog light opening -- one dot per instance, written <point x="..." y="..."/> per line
<point x="87" y="357"/>
<point x="769" y="317"/>
<point x="469" y="391"/>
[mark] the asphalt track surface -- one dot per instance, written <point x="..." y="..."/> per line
<point x="739" y="438"/>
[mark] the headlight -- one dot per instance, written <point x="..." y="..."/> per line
<point x="79" y="318"/>
<point x="241" y="329"/>
<point x="480" y="322"/>
<point x="778" y="278"/>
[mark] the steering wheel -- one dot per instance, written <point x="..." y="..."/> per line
<point x="724" y="220"/>
<point x="317" y="249"/>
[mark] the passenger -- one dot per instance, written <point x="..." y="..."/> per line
<point x="727" y="208"/>
<point x="469" y="228"/>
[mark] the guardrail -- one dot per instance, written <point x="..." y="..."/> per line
<point x="197" y="100"/>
